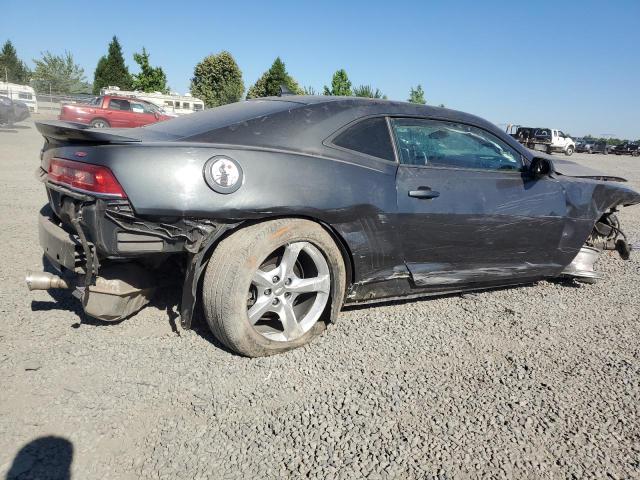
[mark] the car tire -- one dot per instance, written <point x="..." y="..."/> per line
<point x="248" y="272"/>
<point x="569" y="151"/>
<point x="99" y="123"/>
<point x="635" y="154"/>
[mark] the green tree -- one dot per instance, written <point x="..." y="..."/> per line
<point x="150" y="79"/>
<point x="217" y="80"/>
<point x="11" y="67"/>
<point x="111" y="69"/>
<point x="368" y="91"/>
<point x="309" y="91"/>
<point x="59" y="74"/>
<point x="417" y="95"/>
<point x="340" y="84"/>
<point x="268" y="85"/>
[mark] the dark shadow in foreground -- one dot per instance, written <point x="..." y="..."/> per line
<point x="43" y="458"/>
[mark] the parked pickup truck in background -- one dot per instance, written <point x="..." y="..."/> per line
<point x="585" y="145"/>
<point x="632" y="149"/>
<point x="543" y="139"/>
<point x="113" y="111"/>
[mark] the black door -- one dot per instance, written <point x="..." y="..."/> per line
<point x="467" y="212"/>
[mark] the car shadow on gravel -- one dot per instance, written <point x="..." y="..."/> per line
<point x="166" y="299"/>
<point x="44" y="457"/>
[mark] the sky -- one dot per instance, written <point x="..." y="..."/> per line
<point x="572" y="65"/>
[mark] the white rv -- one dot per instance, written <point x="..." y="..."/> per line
<point x="23" y="93"/>
<point x="172" y="103"/>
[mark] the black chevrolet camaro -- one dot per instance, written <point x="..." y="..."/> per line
<point x="274" y="213"/>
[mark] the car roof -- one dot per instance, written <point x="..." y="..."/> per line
<point x="327" y="113"/>
<point x="294" y="122"/>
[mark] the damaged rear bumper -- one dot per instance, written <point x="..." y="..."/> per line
<point x="117" y="291"/>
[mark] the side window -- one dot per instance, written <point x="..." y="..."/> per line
<point x="141" y="107"/>
<point x="370" y="137"/>
<point x="197" y="107"/>
<point x="435" y="143"/>
<point x="119" y="104"/>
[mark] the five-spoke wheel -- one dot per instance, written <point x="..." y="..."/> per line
<point x="271" y="287"/>
<point x="295" y="291"/>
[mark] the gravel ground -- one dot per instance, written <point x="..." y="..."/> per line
<point x="541" y="381"/>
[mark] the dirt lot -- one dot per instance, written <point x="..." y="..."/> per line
<point x="541" y="381"/>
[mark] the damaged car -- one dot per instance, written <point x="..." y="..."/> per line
<point x="274" y="213"/>
<point x="12" y="111"/>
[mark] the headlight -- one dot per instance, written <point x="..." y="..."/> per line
<point x="223" y="174"/>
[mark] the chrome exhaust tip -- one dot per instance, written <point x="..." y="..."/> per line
<point x="44" y="281"/>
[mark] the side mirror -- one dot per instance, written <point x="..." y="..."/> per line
<point x="540" y="167"/>
<point x="157" y="115"/>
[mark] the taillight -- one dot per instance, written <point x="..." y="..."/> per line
<point x="84" y="176"/>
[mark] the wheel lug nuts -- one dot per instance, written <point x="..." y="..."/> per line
<point x="276" y="279"/>
<point x="275" y="301"/>
<point x="287" y="295"/>
<point x="287" y="281"/>
<point x="267" y="291"/>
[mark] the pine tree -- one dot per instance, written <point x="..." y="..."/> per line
<point x="11" y="67"/>
<point x="368" y="92"/>
<point x="340" y="84"/>
<point x="268" y="85"/>
<point x="111" y="69"/>
<point x="417" y="95"/>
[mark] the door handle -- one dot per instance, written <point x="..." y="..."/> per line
<point x="424" y="192"/>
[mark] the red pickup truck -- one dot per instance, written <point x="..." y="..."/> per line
<point x="113" y="111"/>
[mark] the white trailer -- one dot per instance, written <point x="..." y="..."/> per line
<point x="23" y="93"/>
<point x="170" y="103"/>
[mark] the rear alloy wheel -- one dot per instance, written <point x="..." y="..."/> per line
<point x="270" y="287"/>
<point x="569" y="151"/>
<point x="99" y="123"/>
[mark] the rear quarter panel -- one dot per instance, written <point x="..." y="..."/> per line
<point x="358" y="202"/>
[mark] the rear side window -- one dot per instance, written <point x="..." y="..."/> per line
<point x="370" y="136"/>
<point x="119" y="104"/>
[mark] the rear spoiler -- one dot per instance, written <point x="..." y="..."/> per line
<point x="79" y="132"/>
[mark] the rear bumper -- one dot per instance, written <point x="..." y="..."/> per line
<point x="116" y="292"/>
<point x="61" y="247"/>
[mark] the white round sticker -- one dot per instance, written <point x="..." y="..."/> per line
<point x="225" y="173"/>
